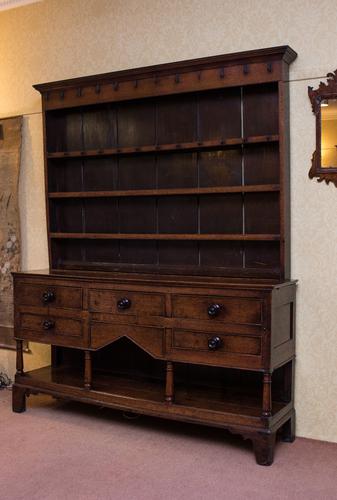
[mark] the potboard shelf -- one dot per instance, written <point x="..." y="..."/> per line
<point x="130" y="392"/>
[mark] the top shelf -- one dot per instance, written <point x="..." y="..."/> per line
<point x="185" y="146"/>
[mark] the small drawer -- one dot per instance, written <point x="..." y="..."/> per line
<point x="66" y="297"/>
<point x="237" y="310"/>
<point x="216" y="342"/>
<point x="50" y="329"/>
<point x="150" y="339"/>
<point x="127" y="302"/>
<point x="220" y="349"/>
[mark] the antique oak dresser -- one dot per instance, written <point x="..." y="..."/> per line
<point x="169" y="291"/>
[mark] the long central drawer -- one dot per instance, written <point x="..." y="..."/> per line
<point x="127" y="302"/>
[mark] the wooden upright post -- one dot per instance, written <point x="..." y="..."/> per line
<point x="87" y="370"/>
<point x="19" y="357"/>
<point x="266" y="398"/>
<point x="169" y="392"/>
<point x="19" y="393"/>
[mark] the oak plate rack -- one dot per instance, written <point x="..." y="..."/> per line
<point x="168" y="213"/>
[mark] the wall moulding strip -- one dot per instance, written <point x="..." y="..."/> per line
<point x="12" y="4"/>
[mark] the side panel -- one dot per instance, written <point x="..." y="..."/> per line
<point x="283" y="325"/>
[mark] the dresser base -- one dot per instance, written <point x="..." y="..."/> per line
<point x="195" y="349"/>
<point x="199" y="406"/>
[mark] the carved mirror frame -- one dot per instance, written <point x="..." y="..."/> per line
<point x="324" y="91"/>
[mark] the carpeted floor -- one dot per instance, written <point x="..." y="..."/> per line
<point x="70" y="451"/>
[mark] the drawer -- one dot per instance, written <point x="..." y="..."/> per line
<point x="50" y="329"/>
<point x="239" y="310"/>
<point x="66" y="297"/>
<point x="150" y="339"/>
<point x="127" y="302"/>
<point x="219" y="349"/>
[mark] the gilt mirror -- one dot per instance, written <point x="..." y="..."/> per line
<point x="324" y="106"/>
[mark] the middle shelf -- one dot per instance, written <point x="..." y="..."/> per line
<point x="183" y="146"/>
<point x="166" y="192"/>
<point x="167" y="236"/>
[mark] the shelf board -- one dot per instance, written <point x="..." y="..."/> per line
<point x="184" y="146"/>
<point x="80" y="266"/>
<point x="162" y="236"/>
<point x="167" y="192"/>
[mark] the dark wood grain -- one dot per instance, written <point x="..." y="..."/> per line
<point x="99" y="173"/>
<point x="260" y="110"/>
<point x="177" y="119"/>
<point x="136" y="124"/>
<point x="177" y="171"/>
<point x="99" y="128"/>
<point x="136" y="173"/>
<point x="219" y="104"/>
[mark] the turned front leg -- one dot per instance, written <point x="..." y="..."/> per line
<point x="266" y="397"/>
<point x="18" y="393"/>
<point x="87" y="370"/>
<point x="19" y="357"/>
<point x="169" y="391"/>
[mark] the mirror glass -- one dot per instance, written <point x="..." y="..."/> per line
<point x="329" y="133"/>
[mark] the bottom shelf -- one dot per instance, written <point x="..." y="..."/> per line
<point x="197" y="404"/>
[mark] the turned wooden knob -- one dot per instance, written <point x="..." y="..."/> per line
<point x="214" y="310"/>
<point x="48" y="324"/>
<point x="48" y="296"/>
<point x="123" y="304"/>
<point x="214" y="343"/>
